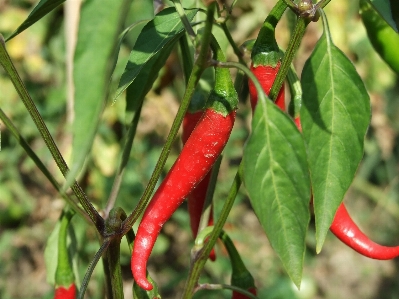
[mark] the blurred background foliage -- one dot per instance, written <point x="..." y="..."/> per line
<point x="30" y="207"/>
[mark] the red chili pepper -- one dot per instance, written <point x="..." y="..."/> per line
<point x="238" y="295"/>
<point x="196" y="199"/>
<point x="349" y="233"/>
<point x="265" y="75"/>
<point x="266" y="57"/>
<point x="65" y="293"/>
<point x="199" y="153"/>
<point x="346" y="230"/>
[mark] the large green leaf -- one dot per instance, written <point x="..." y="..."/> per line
<point x="389" y="10"/>
<point x="277" y="180"/>
<point x="335" y="114"/>
<point x="143" y="83"/>
<point x="96" y="51"/>
<point x="165" y="28"/>
<point x="40" y="10"/>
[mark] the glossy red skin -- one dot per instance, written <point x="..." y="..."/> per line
<point x="196" y="199"/>
<point x="265" y="76"/>
<point x="349" y="233"/>
<point x="237" y="295"/>
<point x="199" y="153"/>
<point x="64" y="293"/>
<point x="297" y="121"/>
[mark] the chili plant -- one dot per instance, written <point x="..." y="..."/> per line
<point x="294" y="165"/>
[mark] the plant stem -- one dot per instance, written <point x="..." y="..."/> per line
<point x="91" y="267"/>
<point x="236" y="49"/>
<point x="292" y="48"/>
<point x="184" y="19"/>
<point x="186" y="57"/>
<point x="9" y="67"/>
<point x="14" y="131"/>
<point x="113" y="257"/>
<point x="200" y="64"/>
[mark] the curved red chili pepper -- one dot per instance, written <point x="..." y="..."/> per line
<point x="200" y="152"/>
<point x="196" y="199"/>
<point x="265" y="75"/>
<point x="349" y="233"/>
<point x="65" y="293"/>
<point x="346" y="230"/>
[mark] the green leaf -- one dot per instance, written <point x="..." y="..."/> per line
<point x="40" y="10"/>
<point x="50" y="254"/>
<point x="335" y="114"/>
<point x="165" y="28"/>
<point x="51" y="251"/>
<point x="147" y="76"/>
<point x="139" y="293"/>
<point x="96" y="51"/>
<point x="389" y="11"/>
<point x="277" y="180"/>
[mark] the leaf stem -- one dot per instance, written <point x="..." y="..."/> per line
<point x="292" y="48"/>
<point x="9" y="67"/>
<point x="14" y="131"/>
<point x="184" y="20"/>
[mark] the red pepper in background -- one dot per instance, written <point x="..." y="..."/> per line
<point x="343" y="227"/>
<point x="265" y="75"/>
<point x="266" y="57"/>
<point x="196" y="199"/>
<point x="64" y="278"/>
<point x="349" y="233"/>
<point x="64" y="293"/>
<point x="197" y="157"/>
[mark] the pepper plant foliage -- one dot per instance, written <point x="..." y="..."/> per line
<point x="286" y="170"/>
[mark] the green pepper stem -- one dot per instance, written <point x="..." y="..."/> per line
<point x="265" y="50"/>
<point x="64" y="274"/>
<point x="9" y="67"/>
<point x="261" y="94"/>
